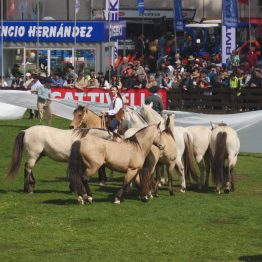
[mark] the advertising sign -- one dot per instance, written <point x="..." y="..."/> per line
<point x="135" y="97"/>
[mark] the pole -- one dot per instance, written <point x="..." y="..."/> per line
<point x="142" y="35"/>
<point x="2" y="38"/>
<point x="67" y="9"/>
<point x="37" y="43"/>
<point x="203" y="9"/>
<point x="174" y="25"/>
<point x="249" y="23"/>
<point x="110" y="49"/>
<point x="74" y="55"/>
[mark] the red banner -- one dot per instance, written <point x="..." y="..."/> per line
<point x="135" y="97"/>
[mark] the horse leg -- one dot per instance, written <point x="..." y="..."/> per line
<point x="170" y="171"/>
<point x="102" y="175"/>
<point x="201" y="164"/>
<point x="232" y="172"/>
<point x="127" y="180"/>
<point x="207" y="159"/>
<point x="88" y="195"/>
<point x="158" y="176"/>
<point x="181" y="171"/>
<point x="29" y="180"/>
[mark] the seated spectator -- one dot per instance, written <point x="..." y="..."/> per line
<point x="57" y="80"/>
<point x="186" y="82"/>
<point x="92" y="82"/>
<point x="139" y="82"/>
<point x="28" y="81"/>
<point x="81" y="82"/>
<point x="99" y="75"/>
<point x="167" y="82"/>
<point x="70" y="82"/>
<point x="116" y="81"/>
<point x="3" y="83"/>
<point x="17" y="83"/>
<point x="103" y="83"/>
<point x="139" y="69"/>
<point x="128" y="75"/>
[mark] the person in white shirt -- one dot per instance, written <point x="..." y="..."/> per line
<point x="116" y="110"/>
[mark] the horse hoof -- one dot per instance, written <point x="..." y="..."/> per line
<point x="88" y="199"/>
<point x="226" y="191"/>
<point x="150" y="196"/>
<point x="144" y="199"/>
<point x="183" y="190"/>
<point x="81" y="200"/>
<point x="101" y="183"/>
<point x="117" y="201"/>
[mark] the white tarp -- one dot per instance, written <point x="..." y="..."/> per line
<point x="247" y="124"/>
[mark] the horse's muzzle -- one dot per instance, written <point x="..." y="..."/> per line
<point x="71" y="127"/>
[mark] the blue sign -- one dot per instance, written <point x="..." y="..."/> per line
<point x="62" y="31"/>
<point x="230" y="13"/>
<point x="140" y="7"/>
<point x="178" y="16"/>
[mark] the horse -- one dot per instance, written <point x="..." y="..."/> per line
<point x="90" y="153"/>
<point x="184" y="143"/>
<point x="201" y="140"/>
<point x="86" y="118"/>
<point x="46" y="141"/>
<point x="225" y="146"/>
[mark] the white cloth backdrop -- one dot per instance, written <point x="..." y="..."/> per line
<point x="247" y="124"/>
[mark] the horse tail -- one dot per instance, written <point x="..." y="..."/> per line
<point x="145" y="181"/>
<point x="76" y="169"/>
<point x="219" y="157"/>
<point x="17" y="154"/>
<point x="189" y="159"/>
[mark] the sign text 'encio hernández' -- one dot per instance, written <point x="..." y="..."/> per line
<point x="62" y="31"/>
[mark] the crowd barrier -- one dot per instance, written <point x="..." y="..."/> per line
<point x="215" y="100"/>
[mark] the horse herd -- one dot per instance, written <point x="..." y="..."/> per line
<point x="144" y="144"/>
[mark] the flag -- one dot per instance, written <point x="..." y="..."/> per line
<point x="11" y="8"/>
<point x="246" y="2"/>
<point x="140" y="7"/>
<point x="112" y="10"/>
<point x="22" y="9"/>
<point x="77" y="6"/>
<point x="230" y="13"/>
<point x="178" y="16"/>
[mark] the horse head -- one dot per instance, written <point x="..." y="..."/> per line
<point x="80" y="114"/>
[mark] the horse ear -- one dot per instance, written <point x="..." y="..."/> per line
<point x="158" y="126"/>
<point x="212" y="125"/>
<point x="135" y="108"/>
<point x="85" y="109"/>
<point x="151" y="104"/>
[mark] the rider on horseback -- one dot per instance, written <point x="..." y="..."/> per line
<point x="116" y="109"/>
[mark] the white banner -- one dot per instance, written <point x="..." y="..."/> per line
<point x="228" y="42"/>
<point x="247" y="124"/>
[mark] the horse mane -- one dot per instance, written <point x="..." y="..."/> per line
<point x="80" y="108"/>
<point x="222" y="124"/>
<point x="169" y="132"/>
<point x="133" y="139"/>
<point x="82" y="132"/>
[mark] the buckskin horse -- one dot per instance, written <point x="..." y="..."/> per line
<point x="46" y="141"/>
<point x="225" y="146"/>
<point x="90" y="153"/>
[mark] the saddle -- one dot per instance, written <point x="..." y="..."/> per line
<point x="106" y="119"/>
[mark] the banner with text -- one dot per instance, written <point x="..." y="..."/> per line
<point x="133" y="96"/>
<point x="62" y="31"/>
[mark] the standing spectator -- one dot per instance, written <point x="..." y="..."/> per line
<point x="139" y="82"/>
<point x="256" y="79"/>
<point x="70" y="73"/>
<point x="122" y="66"/>
<point x="116" y="81"/>
<point x="28" y="81"/>
<point x="155" y="99"/>
<point x="251" y="57"/>
<point x="17" y="83"/>
<point x="3" y="83"/>
<point x="34" y="86"/>
<point x="109" y="73"/>
<point x="44" y="100"/>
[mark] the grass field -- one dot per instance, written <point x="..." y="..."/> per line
<point x="50" y="226"/>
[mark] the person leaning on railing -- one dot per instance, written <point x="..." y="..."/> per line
<point x="80" y="82"/>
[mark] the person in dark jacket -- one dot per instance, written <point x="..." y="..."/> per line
<point x="155" y="99"/>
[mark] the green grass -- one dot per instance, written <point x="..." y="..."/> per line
<point x="50" y="226"/>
